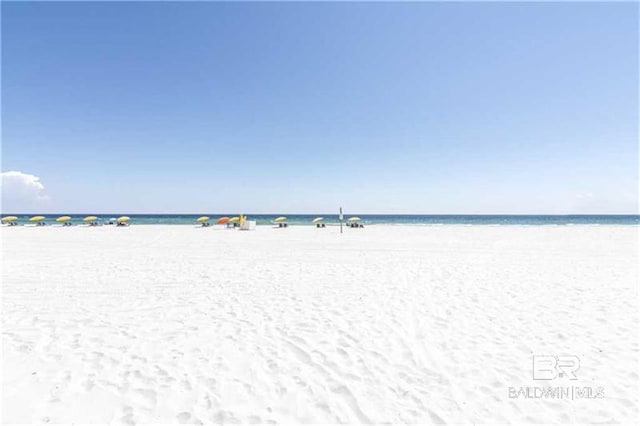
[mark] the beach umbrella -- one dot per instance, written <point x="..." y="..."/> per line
<point x="202" y="219"/>
<point x="63" y="219"/>
<point x="280" y="219"/>
<point x="222" y="220"/>
<point x="36" y="219"/>
<point x="317" y="219"/>
<point x="9" y="218"/>
<point x="90" y="218"/>
<point x="123" y="219"/>
<point x="234" y="219"/>
<point x="354" y="219"/>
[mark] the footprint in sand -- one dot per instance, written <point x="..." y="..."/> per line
<point x="183" y="417"/>
<point x="300" y="353"/>
<point x="127" y="417"/>
<point x="88" y="384"/>
<point x="148" y="396"/>
<point x="350" y="400"/>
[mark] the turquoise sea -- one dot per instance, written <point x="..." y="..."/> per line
<point x="367" y="219"/>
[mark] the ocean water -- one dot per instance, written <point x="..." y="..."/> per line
<point x="367" y="219"/>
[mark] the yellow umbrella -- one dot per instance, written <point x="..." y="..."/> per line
<point x="202" y="219"/>
<point x="317" y="219"/>
<point x="36" y="219"/>
<point x="234" y="219"/>
<point x="123" y="219"/>
<point x="9" y="218"/>
<point x="90" y="218"/>
<point x="354" y="219"/>
<point x="63" y="219"/>
<point x="280" y="219"/>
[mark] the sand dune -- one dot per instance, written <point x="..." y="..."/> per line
<point x="405" y="324"/>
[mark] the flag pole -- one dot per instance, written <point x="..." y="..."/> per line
<point x="341" y="220"/>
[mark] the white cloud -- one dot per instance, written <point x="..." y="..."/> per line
<point x="22" y="192"/>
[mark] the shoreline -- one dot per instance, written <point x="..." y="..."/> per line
<point x="335" y="225"/>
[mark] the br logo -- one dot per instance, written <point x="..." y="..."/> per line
<point x="549" y="367"/>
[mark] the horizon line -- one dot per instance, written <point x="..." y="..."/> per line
<point x="329" y="214"/>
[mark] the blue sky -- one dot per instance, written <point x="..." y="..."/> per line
<point x="301" y="108"/>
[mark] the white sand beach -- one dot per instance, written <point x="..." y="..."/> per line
<point x="404" y="324"/>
